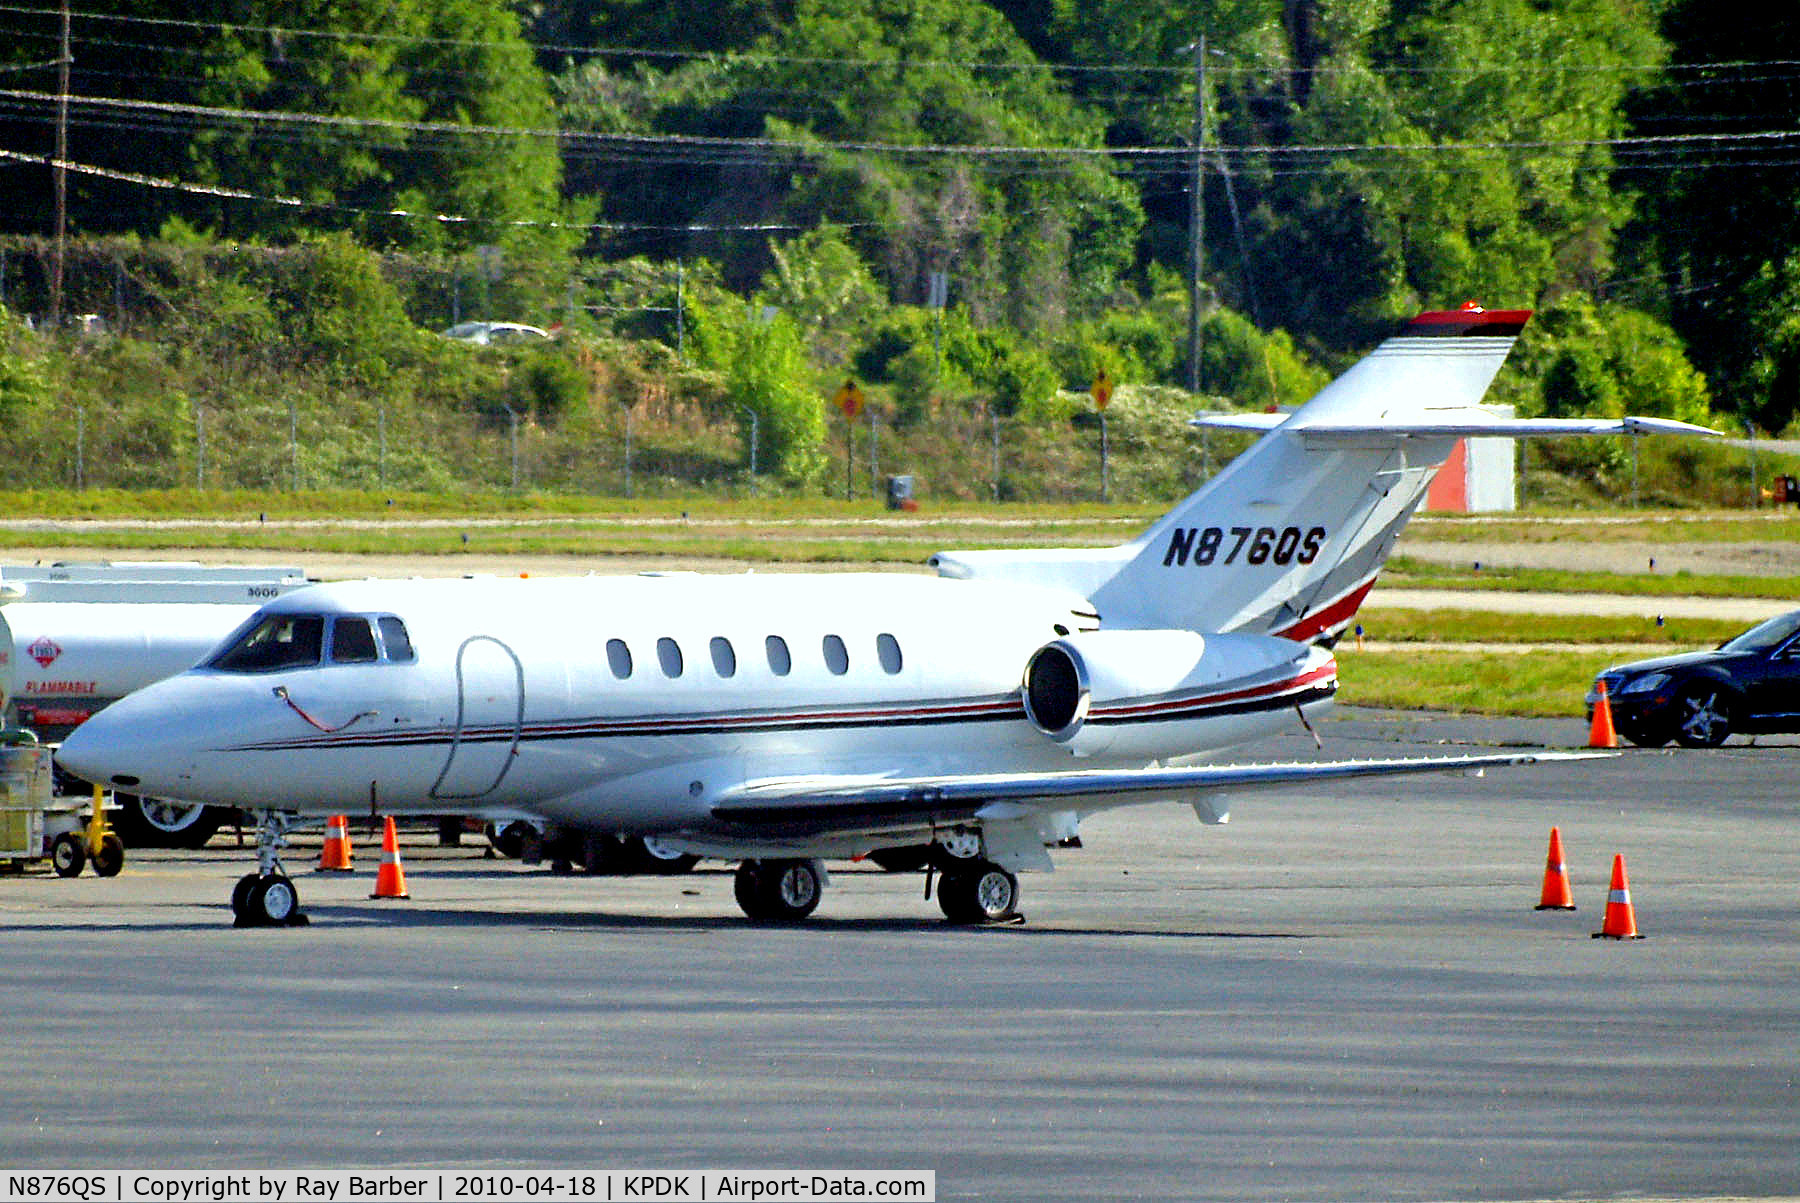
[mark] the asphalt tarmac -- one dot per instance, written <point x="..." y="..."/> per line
<point x="1342" y="997"/>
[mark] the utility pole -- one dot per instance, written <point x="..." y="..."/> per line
<point x="1197" y="216"/>
<point x="58" y="173"/>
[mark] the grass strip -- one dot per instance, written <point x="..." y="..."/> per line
<point x="1408" y="573"/>
<point x="1551" y="685"/>
<point x="1399" y="625"/>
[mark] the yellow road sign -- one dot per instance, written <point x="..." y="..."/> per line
<point x="850" y="399"/>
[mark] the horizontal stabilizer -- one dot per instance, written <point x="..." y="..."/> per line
<point x="1452" y="424"/>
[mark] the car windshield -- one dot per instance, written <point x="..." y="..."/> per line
<point x="1765" y="636"/>
<point x="278" y="641"/>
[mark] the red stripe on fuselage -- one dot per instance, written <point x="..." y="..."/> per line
<point x="1209" y="701"/>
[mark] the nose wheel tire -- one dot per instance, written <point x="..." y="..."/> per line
<point x="266" y="901"/>
<point x="985" y="893"/>
<point x="779" y="891"/>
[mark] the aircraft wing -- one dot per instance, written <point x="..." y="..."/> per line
<point x="800" y="806"/>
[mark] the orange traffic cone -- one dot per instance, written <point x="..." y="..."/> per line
<point x="390" y="879"/>
<point x="1600" y="731"/>
<point x="1621" y="921"/>
<point x="1557" y="895"/>
<point x="336" y="856"/>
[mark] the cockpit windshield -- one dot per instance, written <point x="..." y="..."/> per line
<point x="279" y="641"/>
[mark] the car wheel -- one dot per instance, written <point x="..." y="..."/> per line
<point x="111" y="858"/>
<point x="166" y="823"/>
<point x="68" y="854"/>
<point x="1702" y="717"/>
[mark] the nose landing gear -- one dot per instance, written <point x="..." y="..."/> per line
<point x="268" y="897"/>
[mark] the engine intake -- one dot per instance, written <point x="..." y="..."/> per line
<point x="1057" y="690"/>
<point x="1099" y="691"/>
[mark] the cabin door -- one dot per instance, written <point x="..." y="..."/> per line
<point x="490" y="709"/>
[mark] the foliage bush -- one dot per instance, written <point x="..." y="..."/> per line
<point x="763" y="363"/>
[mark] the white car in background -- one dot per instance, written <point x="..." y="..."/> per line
<point x="495" y="332"/>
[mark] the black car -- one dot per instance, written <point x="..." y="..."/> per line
<point x="1749" y="684"/>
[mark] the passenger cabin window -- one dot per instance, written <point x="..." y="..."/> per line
<point x="394" y="639"/>
<point x="887" y="650"/>
<point x="837" y="659"/>
<point x="353" y="641"/>
<point x="780" y="661"/>
<point x="668" y="654"/>
<point x="279" y="641"/>
<point x="618" y="658"/>
<point x="723" y="657"/>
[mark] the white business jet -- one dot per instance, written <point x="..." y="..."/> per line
<point x="782" y="720"/>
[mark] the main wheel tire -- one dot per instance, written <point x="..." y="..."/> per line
<point x="166" y="823"/>
<point x="599" y="854"/>
<point x="779" y="891"/>
<point x="111" y="857"/>
<point x="650" y="855"/>
<point x="746" y="887"/>
<point x="984" y="894"/>
<point x="509" y="840"/>
<point x="1702" y="717"/>
<point x="68" y="854"/>
<point x="955" y="851"/>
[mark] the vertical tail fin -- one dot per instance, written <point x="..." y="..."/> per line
<point x="1288" y="539"/>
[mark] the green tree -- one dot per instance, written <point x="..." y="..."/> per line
<point x="861" y="98"/>
<point x="763" y="362"/>
<point x="820" y="280"/>
<point x="24" y="383"/>
<point x="1385" y="154"/>
<point x="407" y="114"/>
<point x="1719" y="223"/>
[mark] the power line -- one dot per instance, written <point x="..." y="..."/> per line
<point x="799" y="147"/>
<point x="735" y="58"/>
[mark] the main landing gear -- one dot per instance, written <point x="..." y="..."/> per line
<point x="779" y="891"/>
<point x="970" y="888"/>
<point x="981" y="893"/>
<point x="267" y="897"/>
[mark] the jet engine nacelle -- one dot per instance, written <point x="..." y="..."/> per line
<point x="1105" y="691"/>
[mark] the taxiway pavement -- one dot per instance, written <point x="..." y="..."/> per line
<point x="1338" y="996"/>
